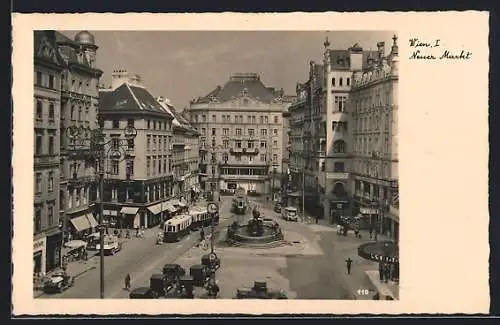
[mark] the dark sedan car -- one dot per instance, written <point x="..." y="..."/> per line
<point x="173" y="270"/>
<point x="143" y="293"/>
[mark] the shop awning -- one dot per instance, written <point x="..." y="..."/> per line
<point x="182" y="204"/>
<point x="129" y="210"/>
<point x="170" y="208"/>
<point x="155" y="209"/>
<point x="81" y="223"/>
<point x="382" y="251"/>
<point x="364" y="210"/>
<point x="93" y="222"/>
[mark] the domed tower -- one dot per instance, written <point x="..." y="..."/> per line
<point x="86" y="41"/>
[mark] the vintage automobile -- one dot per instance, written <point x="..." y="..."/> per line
<point x="112" y="245"/>
<point x="186" y="287"/>
<point x="143" y="293"/>
<point x="260" y="291"/>
<point x="211" y="260"/>
<point x="58" y="282"/>
<point x="277" y="207"/>
<point x="158" y="282"/>
<point x="290" y="214"/>
<point x="200" y="273"/>
<point x="173" y="270"/>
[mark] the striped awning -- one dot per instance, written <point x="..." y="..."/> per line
<point x="181" y="204"/>
<point x="84" y="222"/>
<point x="129" y="210"/>
<point x="170" y="208"/>
<point x="155" y="209"/>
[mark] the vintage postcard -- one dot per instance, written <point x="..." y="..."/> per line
<point x="331" y="163"/>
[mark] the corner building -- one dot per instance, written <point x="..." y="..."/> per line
<point x="241" y="135"/>
<point x="136" y="194"/>
<point x="374" y="107"/>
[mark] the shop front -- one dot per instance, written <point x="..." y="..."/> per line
<point x="131" y="219"/>
<point x="39" y="254"/>
<point x="83" y="225"/>
<point x="337" y="208"/>
<point x="53" y="250"/>
<point x="157" y="213"/>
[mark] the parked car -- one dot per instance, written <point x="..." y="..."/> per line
<point x="290" y="214"/>
<point x="200" y="274"/>
<point x="173" y="270"/>
<point x="143" y="293"/>
<point x="58" y="282"/>
<point x="112" y="245"/>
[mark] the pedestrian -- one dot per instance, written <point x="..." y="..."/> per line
<point x="127" y="282"/>
<point x="348" y="264"/>
<point x="371" y="233"/>
<point x="381" y="272"/>
<point x="317" y="219"/>
<point x="202" y="234"/>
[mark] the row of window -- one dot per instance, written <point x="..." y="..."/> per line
<point x="78" y="113"/>
<point x="373" y="123"/>
<point x="43" y="80"/>
<point x="341" y="82"/>
<point x="365" y="103"/>
<point x="249" y="159"/>
<point x="39" y="110"/>
<point x="339" y="146"/>
<point x="77" y="197"/>
<point x="80" y="85"/>
<point x="377" y="191"/>
<point x="154" y="165"/>
<point x="238" y="132"/>
<point x="237" y="119"/>
<point x="365" y="145"/>
<point x="50" y="210"/>
<point x="115" y="167"/>
<point x="40" y="181"/>
<point x="45" y="144"/>
<point x="338" y="166"/>
<point x="160" y="143"/>
<point x="244" y="171"/>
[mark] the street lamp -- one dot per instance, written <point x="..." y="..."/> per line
<point x="93" y="142"/>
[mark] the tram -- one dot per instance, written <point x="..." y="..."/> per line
<point x="177" y="228"/>
<point x="200" y="217"/>
<point x="240" y="202"/>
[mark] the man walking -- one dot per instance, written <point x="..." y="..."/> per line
<point x="127" y="282"/>
<point x="348" y="264"/>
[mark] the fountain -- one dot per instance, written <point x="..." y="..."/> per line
<point x="257" y="232"/>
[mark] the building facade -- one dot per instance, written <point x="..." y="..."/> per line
<point x="184" y="155"/>
<point x="137" y="189"/>
<point x="374" y="107"/>
<point x="241" y="135"/>
<point x="48" y="67"/>
<point x="326" y="135"/>
<point x="79" y="105"/>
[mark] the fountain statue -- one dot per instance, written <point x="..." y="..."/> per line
<point x="257" y="231"/>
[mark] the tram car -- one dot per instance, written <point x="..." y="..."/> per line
<point x="240" y="202"/>
<point x="200" y="218"/>
<point x="177" y="228"/>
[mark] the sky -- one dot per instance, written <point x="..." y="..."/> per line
<point x="183" y="65"/>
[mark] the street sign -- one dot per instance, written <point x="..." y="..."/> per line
<point x="212" y="208"/>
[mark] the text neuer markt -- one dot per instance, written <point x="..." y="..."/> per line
<point x="464" y="55"/>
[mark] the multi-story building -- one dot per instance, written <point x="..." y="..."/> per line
<point x="322" y="131"/>
<point x="373" y="105"/>
<point x="47" y="110"/>
<point x="241" y="135"/>
<point x="184" y="155"/>
<point x="79" y="105"/>
<point x="137" y="189"/>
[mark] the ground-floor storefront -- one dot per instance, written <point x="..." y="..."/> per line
<point x="39" y="254"/>
<point x="251" y="186"/>
<point x="81" y="224"/>
<point x="53" y="250"/>
<point x="379" y="218"/>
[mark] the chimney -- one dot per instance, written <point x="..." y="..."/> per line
<point x="381" y="49"/>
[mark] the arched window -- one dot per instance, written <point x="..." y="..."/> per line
<point x="333" y="82"/>
<point x="339" y="146"/>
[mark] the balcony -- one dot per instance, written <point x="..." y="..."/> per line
<point x="236" y="150"/>
<point x="253" y="151"/>
<point x="248" y="177"/>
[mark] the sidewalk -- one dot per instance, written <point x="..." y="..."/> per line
<point x="344" y="247"/>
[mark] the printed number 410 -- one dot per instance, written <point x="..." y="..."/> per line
<point x="363" y="292"/>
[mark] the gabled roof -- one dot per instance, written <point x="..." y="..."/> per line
<point x="45" y="47"/>
<point x="129" y="98"/>
<point x="238" y="84"/>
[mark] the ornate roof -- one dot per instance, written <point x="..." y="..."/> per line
<point x="45" y="47"/>
<point x="129" y="98"/>
<point x="239" y="85"/>
<point x="340" y="59"/>
<point x="84" y="37"/>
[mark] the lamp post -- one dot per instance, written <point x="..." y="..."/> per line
<point x="99" y="149"/>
